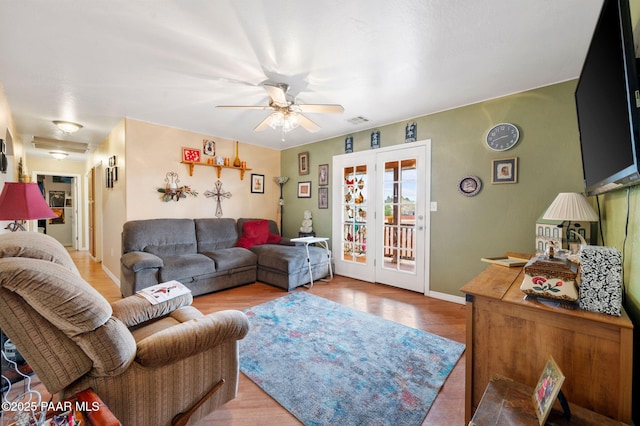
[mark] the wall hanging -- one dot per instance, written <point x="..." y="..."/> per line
<point x="171" y="189"/>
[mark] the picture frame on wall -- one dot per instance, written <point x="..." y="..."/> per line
<point x="323" y="198"/>
<point x="56" y="198"/>
<point x="257" y="183"/>
<point x="304" y="189"/>
<point x="209" y="147"/>
<point x="323" y="174"/>
<point x="348" y="144"/>
<point x="303" y="163"/>
<point x="504" y="170"/>
<point x="191" y="155"/>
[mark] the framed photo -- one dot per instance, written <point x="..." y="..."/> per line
<point x="191" y="155"/>
<point x="547" y="389"/>
<point x="56" y="198"/>
<point x="504" y="170"/>
<point x="257" y="183"/>
<point x="303" y="163"/>
<point x="209" y="147"/>
<point x="348" y="144"/>
<point x="323" y="174"/>
<point x="323" y="198"/>
<point x="375" y="139"/>
<point x="304" y="189"/>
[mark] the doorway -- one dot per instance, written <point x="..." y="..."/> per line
<point x="63" y="194"/>
<point x="380" y="223"/>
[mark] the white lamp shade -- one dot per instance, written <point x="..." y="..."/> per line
<point x="571" y="206"/>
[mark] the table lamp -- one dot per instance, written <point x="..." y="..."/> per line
<point x="571" y="207"/>
<point x="23" y="201"/>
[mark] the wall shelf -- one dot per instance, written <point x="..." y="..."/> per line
<point x="192" y="165"/>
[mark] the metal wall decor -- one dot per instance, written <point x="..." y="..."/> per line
<point x="218" y="194"/>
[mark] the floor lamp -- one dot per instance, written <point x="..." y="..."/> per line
<point x="281" y="180"/>
<point x="23" y="201"/>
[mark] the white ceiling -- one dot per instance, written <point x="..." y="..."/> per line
<point x="172" y="62"/>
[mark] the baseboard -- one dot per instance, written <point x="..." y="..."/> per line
<point x="446" y="297"/>
<point x="113" y="277"/>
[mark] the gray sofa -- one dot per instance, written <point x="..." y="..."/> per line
<point x="202" y="254"/>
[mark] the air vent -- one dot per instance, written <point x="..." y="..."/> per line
<point x="358" y="120"/>
<point x="60" y="145"/>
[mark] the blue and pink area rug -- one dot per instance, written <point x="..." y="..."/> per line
<point x="329" y="364"/>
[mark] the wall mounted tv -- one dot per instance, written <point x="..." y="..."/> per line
<point x="608" y="102"/>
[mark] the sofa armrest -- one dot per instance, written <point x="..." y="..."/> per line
<point x="285" y="241"/>
<point x="138" y="260"/>
<point x="134" y="310"/>
<point x="192" y="337"/>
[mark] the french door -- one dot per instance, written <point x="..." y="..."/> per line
<point x="380" y="224"/>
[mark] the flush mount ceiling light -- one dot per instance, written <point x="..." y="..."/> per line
<point x="67" y="126"/>
<point x="58" y="155"/>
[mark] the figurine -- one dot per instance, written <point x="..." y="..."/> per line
<point x="306" y="222"/>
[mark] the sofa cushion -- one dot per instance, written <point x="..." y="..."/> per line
<point x="288" y="259"/>
<point x="186" y="266"/>
<point x="232" y="258"/>
<point x="162" y="237"/>
<point x="254" y="232"/>
<point x="214" y="234"/>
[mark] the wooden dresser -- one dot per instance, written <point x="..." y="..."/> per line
<point x="514" y="337"/>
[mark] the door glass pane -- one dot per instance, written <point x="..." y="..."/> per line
<point x="354" y="217"/>
<point x="399" y="203"/>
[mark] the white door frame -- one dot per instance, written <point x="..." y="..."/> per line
<point x="366" y="271"/>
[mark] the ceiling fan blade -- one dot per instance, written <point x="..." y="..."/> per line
<point x="263" y="124"/>
<point x="308" y="124"/>
<point x="261" y="107"/>
<point x="321" y="108"/>
<point x="277" y="92"/>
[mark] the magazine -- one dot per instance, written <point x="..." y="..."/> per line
<point x="163" y="291"/>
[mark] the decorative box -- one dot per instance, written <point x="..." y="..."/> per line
<point x="551" y="278"/>
<point x="601" y="280"/>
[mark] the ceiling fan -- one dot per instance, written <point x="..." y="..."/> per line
<point x="286" y="113"/>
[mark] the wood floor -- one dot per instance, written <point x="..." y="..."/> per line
<point x="254" y="407"/>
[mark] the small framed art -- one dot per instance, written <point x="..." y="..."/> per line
<point x="323" y="174"/>
<point x="209" y="147"/>
<point x="547" y="389"/>
<point x="504" y="170"/>
<point x="257" y="183"/>
<point x="304" y="189"/>
<point x="348" y="144"/>
<point x="323" y="198"/>
<point x="190" y="155"/>
<point x="303" y="163"/>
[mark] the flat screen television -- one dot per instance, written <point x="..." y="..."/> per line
<point x="608" y="102"/>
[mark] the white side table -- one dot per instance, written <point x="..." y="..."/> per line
<point x="323" y="241"/>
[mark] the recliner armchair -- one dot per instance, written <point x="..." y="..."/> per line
<point x="150" y="364"/>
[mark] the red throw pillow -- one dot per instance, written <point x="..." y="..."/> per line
<point x="254" y="232"/>
<point x="274" y="239"/>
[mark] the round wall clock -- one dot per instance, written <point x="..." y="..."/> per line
<point x="502" y="137"/>
<point x="469" y="185"/>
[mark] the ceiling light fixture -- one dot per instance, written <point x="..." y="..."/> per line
<point x="67" y="126"/>
<point x="58" y="155"/>
<point x="287" y="120"/>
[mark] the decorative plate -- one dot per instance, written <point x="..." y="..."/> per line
<point x="469" y="185"/>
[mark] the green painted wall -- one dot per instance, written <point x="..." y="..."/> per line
<point x="501" y="217"/>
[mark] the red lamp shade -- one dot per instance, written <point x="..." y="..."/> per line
<point x="23" y="201"/>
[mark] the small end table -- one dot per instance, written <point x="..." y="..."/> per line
<point x="322" y="241"/>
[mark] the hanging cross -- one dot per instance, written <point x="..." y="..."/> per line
<point x="218" y="194"/>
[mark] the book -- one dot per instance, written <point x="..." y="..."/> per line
<point x="508" y="261"/>
<point x="164" y="291"/>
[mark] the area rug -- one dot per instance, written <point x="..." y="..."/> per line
<point x="328" y="364"/>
